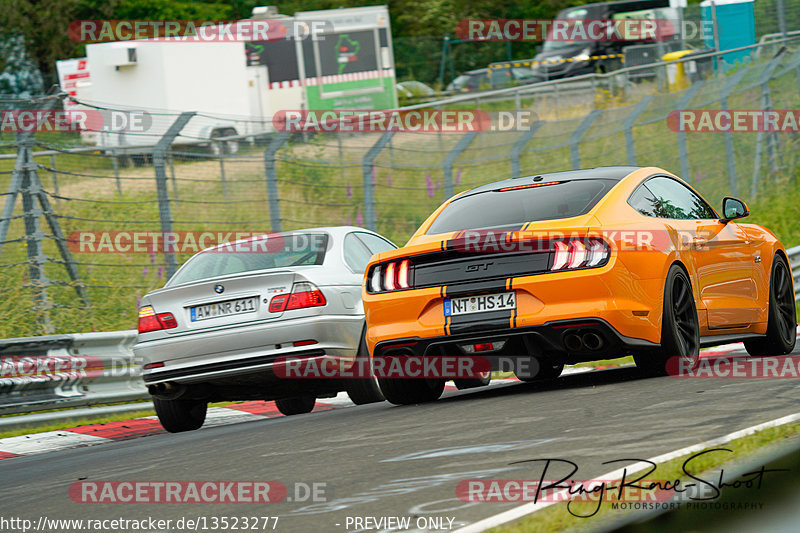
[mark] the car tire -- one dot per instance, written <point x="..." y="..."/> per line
<point x="366" y="390"/>
<point x="406" y="391"/>
<point x="544" y="370"/>
<point x="471" y="383"/>
<point x="296" y="405"/>
<point x="680" y="328"/>
<point x="782" y="322"/>
<point x="180" y="415"/>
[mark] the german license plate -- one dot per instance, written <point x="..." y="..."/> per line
<point x="227" y="308"/>
<point x="480" y="304"/>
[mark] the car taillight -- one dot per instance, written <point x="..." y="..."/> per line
<point x="304" y="294"/>
<point x="402" y="274"/>
<point x="278" y="303"/>
<point x="561" y="256"/>
<point x="391" y="276"/>
<point x="150" y="321"/>
<point x="375" y="280"/>
<point x="579" y="253"/>
<point x="389" y="279"/>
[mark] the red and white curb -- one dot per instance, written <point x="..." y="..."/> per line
<point x="93" y="434"/>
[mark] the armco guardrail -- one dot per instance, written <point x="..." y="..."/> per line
<point x="80" y="369"/>
<point x="794" y="261"/>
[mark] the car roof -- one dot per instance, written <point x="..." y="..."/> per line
<point x="608" y="173"/>
<point x="335" y="231"/>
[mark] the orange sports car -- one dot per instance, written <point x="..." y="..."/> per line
<point x="577" y="266"/>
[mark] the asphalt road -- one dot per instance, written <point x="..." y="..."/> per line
<point x="385" y="461"/>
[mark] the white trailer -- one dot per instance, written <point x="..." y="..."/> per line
<point x="236" y="87"/>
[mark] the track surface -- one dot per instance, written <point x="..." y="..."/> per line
<point x="385" y="461"/>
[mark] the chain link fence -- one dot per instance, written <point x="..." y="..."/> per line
<point x="55" y="187"/>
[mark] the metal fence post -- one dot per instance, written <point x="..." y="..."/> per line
<point x="11" y="197"/>
<point x="575" y="137"/>
<point x="273" y="202"/>
<point x="450" y="158"/>
<point x="172" y="175"/>
<point x="727" y="135"/>
<point x="637" y="110"/>
<point x="519" y="145"/>
<point x="683" y="153"/>
<point x="370" y="218"/>
<point x="766" y="104"/>
<point x="781" y="9"/>
<point x="54" y="173"/>
<point x="222" y="177"/>
<point x="115" y="164"/>
<point x="33" y="237"/>
<point x="160" y="165"/>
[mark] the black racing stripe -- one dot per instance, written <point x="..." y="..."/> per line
<point x="511" y="284"/>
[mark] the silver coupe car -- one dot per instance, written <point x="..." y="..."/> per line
<point x="217" y="329"/>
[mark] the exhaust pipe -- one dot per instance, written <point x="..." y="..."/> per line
<point x="592" y="341"/>
<point x="573" y="342"/>
<point x="166" y="391"/>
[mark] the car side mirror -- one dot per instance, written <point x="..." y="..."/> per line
<point x="733" y="208"/>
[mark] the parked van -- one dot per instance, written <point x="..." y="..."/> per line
<point x="561" y="59"/>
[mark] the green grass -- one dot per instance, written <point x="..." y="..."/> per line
<point x="558" y="518"/>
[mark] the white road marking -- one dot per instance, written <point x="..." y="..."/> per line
<point x="47" y="441"/>
<point x="531" y="507"/>
<point x="222" y="416"/>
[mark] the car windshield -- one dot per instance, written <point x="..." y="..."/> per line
<point x="500" y="208"/>
<point x="276" y="251"/>
<point x="574" y="16"/>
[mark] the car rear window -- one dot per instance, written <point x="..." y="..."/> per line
<point x="295" y="249"/>
<point x="492" y="209"/>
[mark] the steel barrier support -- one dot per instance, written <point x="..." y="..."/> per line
<point x="683" y="153"/>
<point x="728" y="136"/>
<point x="519" y="145"/>
<point x="370" y="220"/>
<point x="272" y="179"/>
<point x="637" y="110"/>
<point x="160" y="165"/>
<point x="450" y="158"/>
<point x="575" y="138"/>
